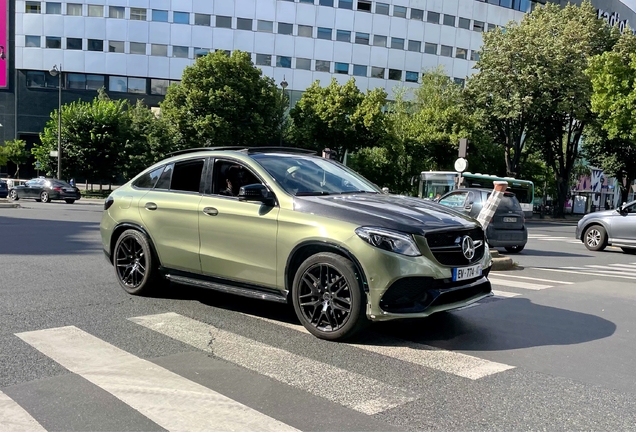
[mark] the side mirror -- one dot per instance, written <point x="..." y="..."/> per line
<point x="256" y="192"/>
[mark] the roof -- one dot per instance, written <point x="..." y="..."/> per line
<point x="247" y="150"/>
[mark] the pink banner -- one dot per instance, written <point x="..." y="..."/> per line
<point x="4" y="30"/>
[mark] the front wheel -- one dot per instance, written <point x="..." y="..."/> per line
<point x="14" y="195"/>
<point x="134" y="263"/>
<point x="595" y="238"/>
<point x="69" y="201"/>
<point x="45" y="197"/>
<point x="328" y="297"/>
<point x="515" y="249"/>
<point x="630" y="251"/>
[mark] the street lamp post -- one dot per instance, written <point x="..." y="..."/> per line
<point x="58" y="72"/>
<point x="283" y="85"/>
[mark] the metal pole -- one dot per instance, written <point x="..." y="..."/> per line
<point x="282" y="99"/>
<point x="59" y="127"/>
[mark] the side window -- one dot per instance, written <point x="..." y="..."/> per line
<point x="148" y="180"/>
<point x="230" y="176"/>
<point x="631" y="209"/>
<point x="166" y="177"/>
<point x="455" y="200"/>
<point x="187" y="176"/>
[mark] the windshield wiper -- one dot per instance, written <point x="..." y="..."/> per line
<point x="357" y="192"/>
<point x="316" y="193"/>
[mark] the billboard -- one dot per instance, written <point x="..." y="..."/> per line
<point x="4" y="42"/>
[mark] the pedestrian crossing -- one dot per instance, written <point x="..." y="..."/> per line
<point x="551" y="238"/>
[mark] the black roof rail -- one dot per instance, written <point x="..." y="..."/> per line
<point x="249" y="150"/>
<point x="192" y="150"/>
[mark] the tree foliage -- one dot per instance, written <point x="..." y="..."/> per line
<point x="14" y="151"/>
<point x="223" y="101"/>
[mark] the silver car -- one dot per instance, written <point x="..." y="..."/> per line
<point x="609" y="228"/>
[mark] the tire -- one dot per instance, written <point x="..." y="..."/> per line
<point x="13" y="196"/>
<point x="45" y="197"/>
<point x="595" y="238"/>
<point x="630" y="251"/>
<point x="515" y="249"/>
<point x="69" y="201"/>
<point x="314" y="299"/>
<point x="134" y="262"/>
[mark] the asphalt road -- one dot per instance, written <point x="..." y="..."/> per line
<point x="553" y="350"/>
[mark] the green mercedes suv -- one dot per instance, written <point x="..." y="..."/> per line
<point x="285" y="225"/>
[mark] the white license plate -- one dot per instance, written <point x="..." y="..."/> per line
<point x="509" y="219"/>
<point x="463" y="273"/>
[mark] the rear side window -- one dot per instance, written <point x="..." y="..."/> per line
<point x="187" y="176"/>
<point x="148" y="180"/>
<point x="166" y="177"/>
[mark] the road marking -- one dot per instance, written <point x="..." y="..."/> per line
<point x="504" y="294"/>
<point x="537" y="235"/>
<point x="607" y="268"/>
<point x="615" y="272"/>
<point x="173" y="402"/>
<point x="451" y="362"/>
<point x="530" y="278"/>
<point x="626" y="266"/>
<point x="14" y="418"/>
<point x="518" y="284"/>
<point x="355" y="391"/>
<point x="581" y="273"/>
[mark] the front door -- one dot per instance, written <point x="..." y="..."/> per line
<point x="623" y="226"/>
<point x="238" y="238"/>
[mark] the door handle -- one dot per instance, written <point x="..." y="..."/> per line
<point x="210" y="211"/>
<point x="151" y="206"/>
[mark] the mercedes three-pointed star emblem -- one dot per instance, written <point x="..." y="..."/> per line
<point x="468" y="247"/>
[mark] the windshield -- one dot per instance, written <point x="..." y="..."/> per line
<point x="306" y="176"/>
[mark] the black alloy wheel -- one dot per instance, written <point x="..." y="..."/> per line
<point x="133" y="262"/>
<point x="45" y="197"/>
<point x="328" y="298"/>
<point x="13" y="195"/>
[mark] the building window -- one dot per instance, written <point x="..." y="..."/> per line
<point x="399" y="11"/>
<point x="430" y="48"/>
<point x="395" y="74"/>
<point x="180" y="51"/>
<point x="202" y="19"/>
<point x="159" y="50"/>
<point x="328" y="3"/>
<point x="283" y="61"/>
<point x="417" y="14"/>
<point x="73" y="43"/>
<point x="412" y="77"/>
<point x="181" y="17"/>
<point x="53" y="8"/>
<point x="345" y="4"/>
<point x="379" y="40"/>
<point x="343" y="36"/>
<point x="223" y="21"/>
<point x="33" y="7"/>
<point x="285" y="28"/>
<point x="362" y="38"/>
<point x="382" y="8"/>
<point x="265" y="26"/>
<point x="76" y="81"/>
<point x="464" y="23"/>
<point x="246" y="24"/>
<point x="303" y="63"/>
<point x="32" y="41"/>
<point x="95" y="11"/>
<point x="359" y="70"/>
<point x="138" y="48"/>
<point x="95" y="45"/>
<point x="461" y="53"/>
<point x="263" y="59"/>
<point x="306" y="1"/>
<point x="138" y="14"/>
<point x="116" y="46"/>
<point x="491" y="27"/>
<point x="226" y="52"/>
<point x="305" y="31"/>
<point x="364" y="6"/>
<point x="137" y="85"/>
<point x="377" y="72"/>
<point x="94" y="82"/>
<point x="432" y="17"/>
<point x="53" y="42"/>
<point x="397" y="43"/>
<point x="159" y="15"/>
<point x="415" y="46"/>
<point x="159" y="86"/>
<point x="478" y="26"/>
<point x="449" y="20"/>
<point x="200" y="52"/>
<point x="341" y="68"/>
<point x="118" y="12"/>
<point x="446" y="51"/>
<point x="459" y="81"/>
<point x="324" y="33"/>
<point x="474" y="55"/>
<point x="74" y="9"/>
<point x="323" y="66"/>
<point x="35" y="79"/>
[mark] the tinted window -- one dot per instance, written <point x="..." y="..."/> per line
<point x="148" y="180"/>
<point x="229" y="177"/>
<point x="508" y="203"/>
<point x="166" y="176"/>
<point x="187" y="176"/>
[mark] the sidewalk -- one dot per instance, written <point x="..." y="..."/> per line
<point x="4" y="203"/>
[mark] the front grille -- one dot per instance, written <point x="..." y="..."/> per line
<point x="447" y="250"/>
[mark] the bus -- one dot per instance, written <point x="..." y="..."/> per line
<point x="433" y="183"/>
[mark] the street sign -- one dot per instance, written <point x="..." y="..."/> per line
<point x="53" y="153"/>
<point x="460" y="165"/>
<point x="38" y="164"/>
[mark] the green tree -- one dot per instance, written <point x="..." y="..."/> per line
<point x="15" y="152"/>
<point x="3" y="156"/>
<point x="223" y="101"/>
<point x="339" y="117"/>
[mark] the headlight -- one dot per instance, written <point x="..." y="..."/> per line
<point x="391" y="241"/>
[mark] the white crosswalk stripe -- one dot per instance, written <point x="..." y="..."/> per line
<point x="13" y="418"/>
<point x="531" y="278"/>
<point x="517" y="284"/>
<point x="545" y="237"/>
<point x="586" y="271"/>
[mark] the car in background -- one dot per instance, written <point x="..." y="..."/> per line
<point x="288" y="226"/>
<point x="507" y="229"/>
<point x="46" y="190"/>
<point x="4" y="189"/>
<point x="609" y="228"/>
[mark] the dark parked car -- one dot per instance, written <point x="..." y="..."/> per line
<point x="46" y="190"/>
<point x="507" y="228"/>
<point x="4" y="190"/>
<point x="609" y="228"/>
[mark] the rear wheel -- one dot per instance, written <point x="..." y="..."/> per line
<point x="134" y="263"/>
<point x="630" y="251"/>
<point x="45" y="197"/>
<point x="13" y="195"/>
<point x="328" y="297"/>
<point x="69" y="201"/>
<point x="515" y="249"/>
<point x="595" y="238"/>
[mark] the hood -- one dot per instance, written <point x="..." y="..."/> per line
<point x="401" y="213"/>
<point x="602" y="213"/>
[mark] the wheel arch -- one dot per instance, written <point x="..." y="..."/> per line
<point x="120" y="228"/>
<point x="592" y="223"/>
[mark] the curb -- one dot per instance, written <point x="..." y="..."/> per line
<point x="9" y="205"/>
<point x="499" y="262"/>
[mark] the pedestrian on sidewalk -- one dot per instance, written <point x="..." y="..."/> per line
<point x="9" y="183"/>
